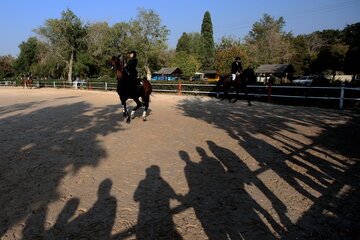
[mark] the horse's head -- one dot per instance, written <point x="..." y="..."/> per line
<point x="117" y="63"/>
<point x="249" y="74"/>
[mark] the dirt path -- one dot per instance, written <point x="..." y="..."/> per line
<point x="199" y="168"/>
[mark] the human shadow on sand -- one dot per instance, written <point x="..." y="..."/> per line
<point x="317" y="161"/>
<point x="96" y="223"/>
<point x="155" y="219"/>
<point x="39" y="148"/>
<point x="220" y="201"/>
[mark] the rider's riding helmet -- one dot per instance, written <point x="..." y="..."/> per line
<point x="238" y="58"/>
<point x="133" y="52"/>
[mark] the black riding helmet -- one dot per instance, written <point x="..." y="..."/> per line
<point x="133" y="53"/>
<point x="238" y="58"/>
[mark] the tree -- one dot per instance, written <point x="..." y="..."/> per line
<point x="351" y="35"/>
<point x="267" y="42"/>
<point x="102" y="42"/>
<point x="225" y="57"/>
<point x="187" y="63"/>
<point x="227" y="42"/>
<point x="6" y="66"/>
<point x="184" y="44"/>
<point x="208" y="48"/>
<point x="352" y="61"/>
<point x="65" y="36"/>
<point x="28" y="55"/>
<point x="121" y="40"/>
<point x="331" y="58"/>
<point x="330" y="36"/>
<point x="148" y="37"/>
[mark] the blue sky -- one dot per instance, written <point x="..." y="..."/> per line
<point x="18" y="18"/>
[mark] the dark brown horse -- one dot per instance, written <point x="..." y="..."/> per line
<point x="27" y="82"/>
<point x="239" y="84"/>
<point x="128" y="90"/>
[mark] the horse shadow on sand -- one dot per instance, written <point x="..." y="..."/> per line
<point x="319" y="162"/>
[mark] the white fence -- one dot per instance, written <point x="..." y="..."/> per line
<point x="179" y="89"/>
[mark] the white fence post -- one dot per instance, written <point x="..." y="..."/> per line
<point x="54" y="84"/>
<point x="106" y="87"/>
<point x="342" y="96"/>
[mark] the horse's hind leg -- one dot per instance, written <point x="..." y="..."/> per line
<point x="247" y="98"/>
<point x="138" y="105"/>
<point x="236" y="96"/>
<point x="146" y="100"/>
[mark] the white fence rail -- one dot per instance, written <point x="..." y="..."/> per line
<point x="178" y="88"/>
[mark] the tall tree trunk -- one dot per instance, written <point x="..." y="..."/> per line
<point x="71" y="64"/>
<point x="148" y="72"/>
<point x="147" y="69"/>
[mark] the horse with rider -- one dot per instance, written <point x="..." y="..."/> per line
<point x="129" y="86"/>
<point x="237" y="80"/>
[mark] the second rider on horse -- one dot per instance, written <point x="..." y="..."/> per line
<point x="236" y="68"/>
<point x="130" y="69"/>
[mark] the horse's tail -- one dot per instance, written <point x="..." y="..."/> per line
<point x="147" y="89"/>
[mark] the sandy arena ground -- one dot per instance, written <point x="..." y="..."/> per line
<point x="199" y="168"/>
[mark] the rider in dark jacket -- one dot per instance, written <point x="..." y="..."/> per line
<point x="130" y="68"/>
<point x="236" y="68"/>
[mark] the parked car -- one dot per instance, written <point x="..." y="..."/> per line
<point x="304" y="80"/>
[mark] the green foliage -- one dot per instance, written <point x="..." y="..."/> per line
<point x="191" y="43"/>
<point x="184" y="44"/>
<point x="6" y="66"/>
<point x="352" y="61"/>
<point x="227" y="42"/>
<point x="301" y="58"/>
<point x="85" y="65"/>
<point x="267" y="42"/>
<point x="351" y="35"/>
<point x="330" y="36"/>
<point x="330" y="57"/>
<point x="70" y="46"/>
<point x="187" y="63"/>
<point x="28" y="56"/>
<point x="207" y="47"/>
<point x="148" y="37"/>
<point x="65" y="36"/>
<point x="225" y="57"/>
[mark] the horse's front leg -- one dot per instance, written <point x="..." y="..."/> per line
<point x="247" y="98"/>
<point x="125" y="111"/>
<point x="138" y="105"/>
<point x="236" y="96"/>
<point x="228" y="95"/>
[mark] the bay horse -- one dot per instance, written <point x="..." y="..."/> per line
<point x="239" y="84"/>
<point x="27" y="82"/>
<point x="127" y="90"/>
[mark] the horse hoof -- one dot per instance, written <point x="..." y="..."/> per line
<point x="144" y="119"/>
